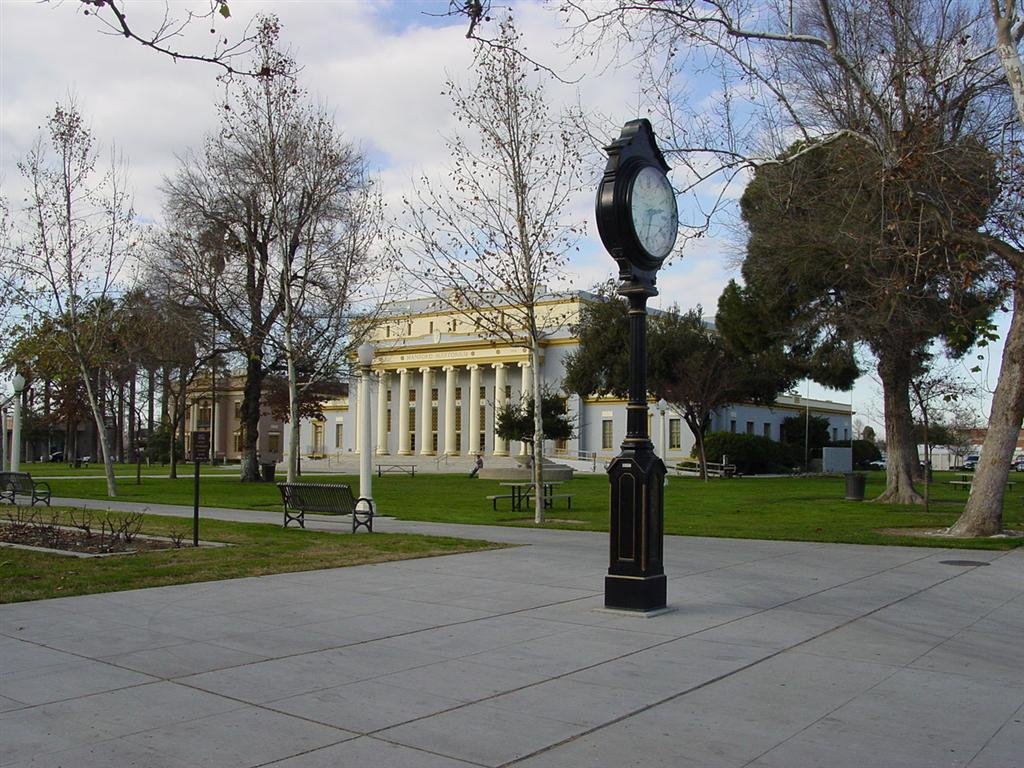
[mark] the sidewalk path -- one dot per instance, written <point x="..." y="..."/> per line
<point x="777" y="655"/>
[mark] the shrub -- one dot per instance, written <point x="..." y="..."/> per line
<point x="752" y="454"/>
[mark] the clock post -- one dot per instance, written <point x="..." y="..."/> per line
<point x="638" y="221"/>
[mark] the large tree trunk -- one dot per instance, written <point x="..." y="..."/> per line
<point x="150" y="398"/>
<point x="983" y="513"/>
<point x="178" y="408"/>
<point x="293" y="420"/>
<point x="901" y="451"/>
<point x="698" y="433"/>
<point x="101" y="429"/>
<point x="251" y="396"/>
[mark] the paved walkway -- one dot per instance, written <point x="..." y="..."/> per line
<point x="778" y="655"/>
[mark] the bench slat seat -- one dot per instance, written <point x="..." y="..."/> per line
<point x="14" y="484"/>
<point x="325" y="499"/>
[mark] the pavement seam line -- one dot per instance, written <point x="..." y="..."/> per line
<point x="738" y="670"/>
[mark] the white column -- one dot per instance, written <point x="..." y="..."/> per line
<point x="382" y="413"/>
<point x="450" y="380"/>
<point x="426" y="406"/>
<point x="357" y="419"/>
<point x="366" y="441"/>
<point x="472" y="444"/>
<point x="403" y="412"/>
<point x="500" y="445"/>
<point x="526" y="388"/>
<point x="18" y="386"/>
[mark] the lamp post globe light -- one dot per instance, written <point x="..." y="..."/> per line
<point x="18" y="385"/>
<point x="638" y="222"/>
<point x="365" y="353"/>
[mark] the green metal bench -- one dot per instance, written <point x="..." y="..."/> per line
<point x="14" y="484"/>
<point x="325" y="499"/>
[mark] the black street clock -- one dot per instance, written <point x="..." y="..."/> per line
<point x="637" y="216"/>
<point x="638" y="221"/>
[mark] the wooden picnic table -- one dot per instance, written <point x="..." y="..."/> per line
<point x="521" y="492"/>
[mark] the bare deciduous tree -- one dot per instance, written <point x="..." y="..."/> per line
<point x="77" y="252"/>
<point x="270" y="231"/>
<point x="489" y="241"/>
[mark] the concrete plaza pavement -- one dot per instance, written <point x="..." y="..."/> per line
<point x="777" y="655"/>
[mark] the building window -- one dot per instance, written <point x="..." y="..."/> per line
<point x="389" y="395"/>
<point x="387" y="331"/>
<point x="675" y="434"/>
<point x="732" y="426"/>
<point x="606" y="434"/>
<point x="412" y="395"/>
<point x="561" y="445"/>
<point x="835" y="434"/>
<point x="483" y="395"/>
<point x="508" y="392"/>
<point x="238" y="410"/>
<point x="339" y="433"/>
<point x="204" y="416"/>
<point x="458" y="393"/>
<point x="274" y="443"/>
<point x="389" y="420"/>
<point x="846" y="434"/>
<point x="238" y="441"/>
<point x="433" y="395"/>
<point x="431" y="326"/>
<point x="750" y="427"/>
<point x="767" y="429"/>
<point x="483" y="425"/>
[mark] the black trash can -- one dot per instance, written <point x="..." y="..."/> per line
<point x="855" y="486"/>
<point x="268" y="472"/>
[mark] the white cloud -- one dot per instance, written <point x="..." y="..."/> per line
<point x="380" y="67"/>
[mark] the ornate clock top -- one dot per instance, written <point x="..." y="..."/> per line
<point x="636" y="207"/>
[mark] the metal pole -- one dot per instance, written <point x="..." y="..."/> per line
<point x="195" y="508"/>
<point x="636" y="577"/>
<point x="365" y="442"/>
<point x="807" y="438"/>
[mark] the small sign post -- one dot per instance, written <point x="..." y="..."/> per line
<point x="200" y="453"/>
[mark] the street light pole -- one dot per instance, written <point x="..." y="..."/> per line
<point x="662" y="408"/>
<point x="365" y="353"/>
<point x="18" y="384"/>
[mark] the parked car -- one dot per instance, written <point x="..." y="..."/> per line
<point x="971" y="461"/>
<point x="877" y="464"/>
<point x="56" y="456"/>
<point x="1017" y="465"/>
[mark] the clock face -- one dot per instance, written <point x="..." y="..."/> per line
<point x="652" y="210"/>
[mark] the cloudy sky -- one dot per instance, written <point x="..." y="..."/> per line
<point x="379" y="67"/>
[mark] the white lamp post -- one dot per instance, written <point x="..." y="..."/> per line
<point x="662" y="408"/>
<point x="18" y="384"/>
<point x="365" y="353"/>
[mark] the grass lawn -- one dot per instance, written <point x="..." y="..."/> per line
<point x="257" y="549"/>
<point x="799" y="509"/>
